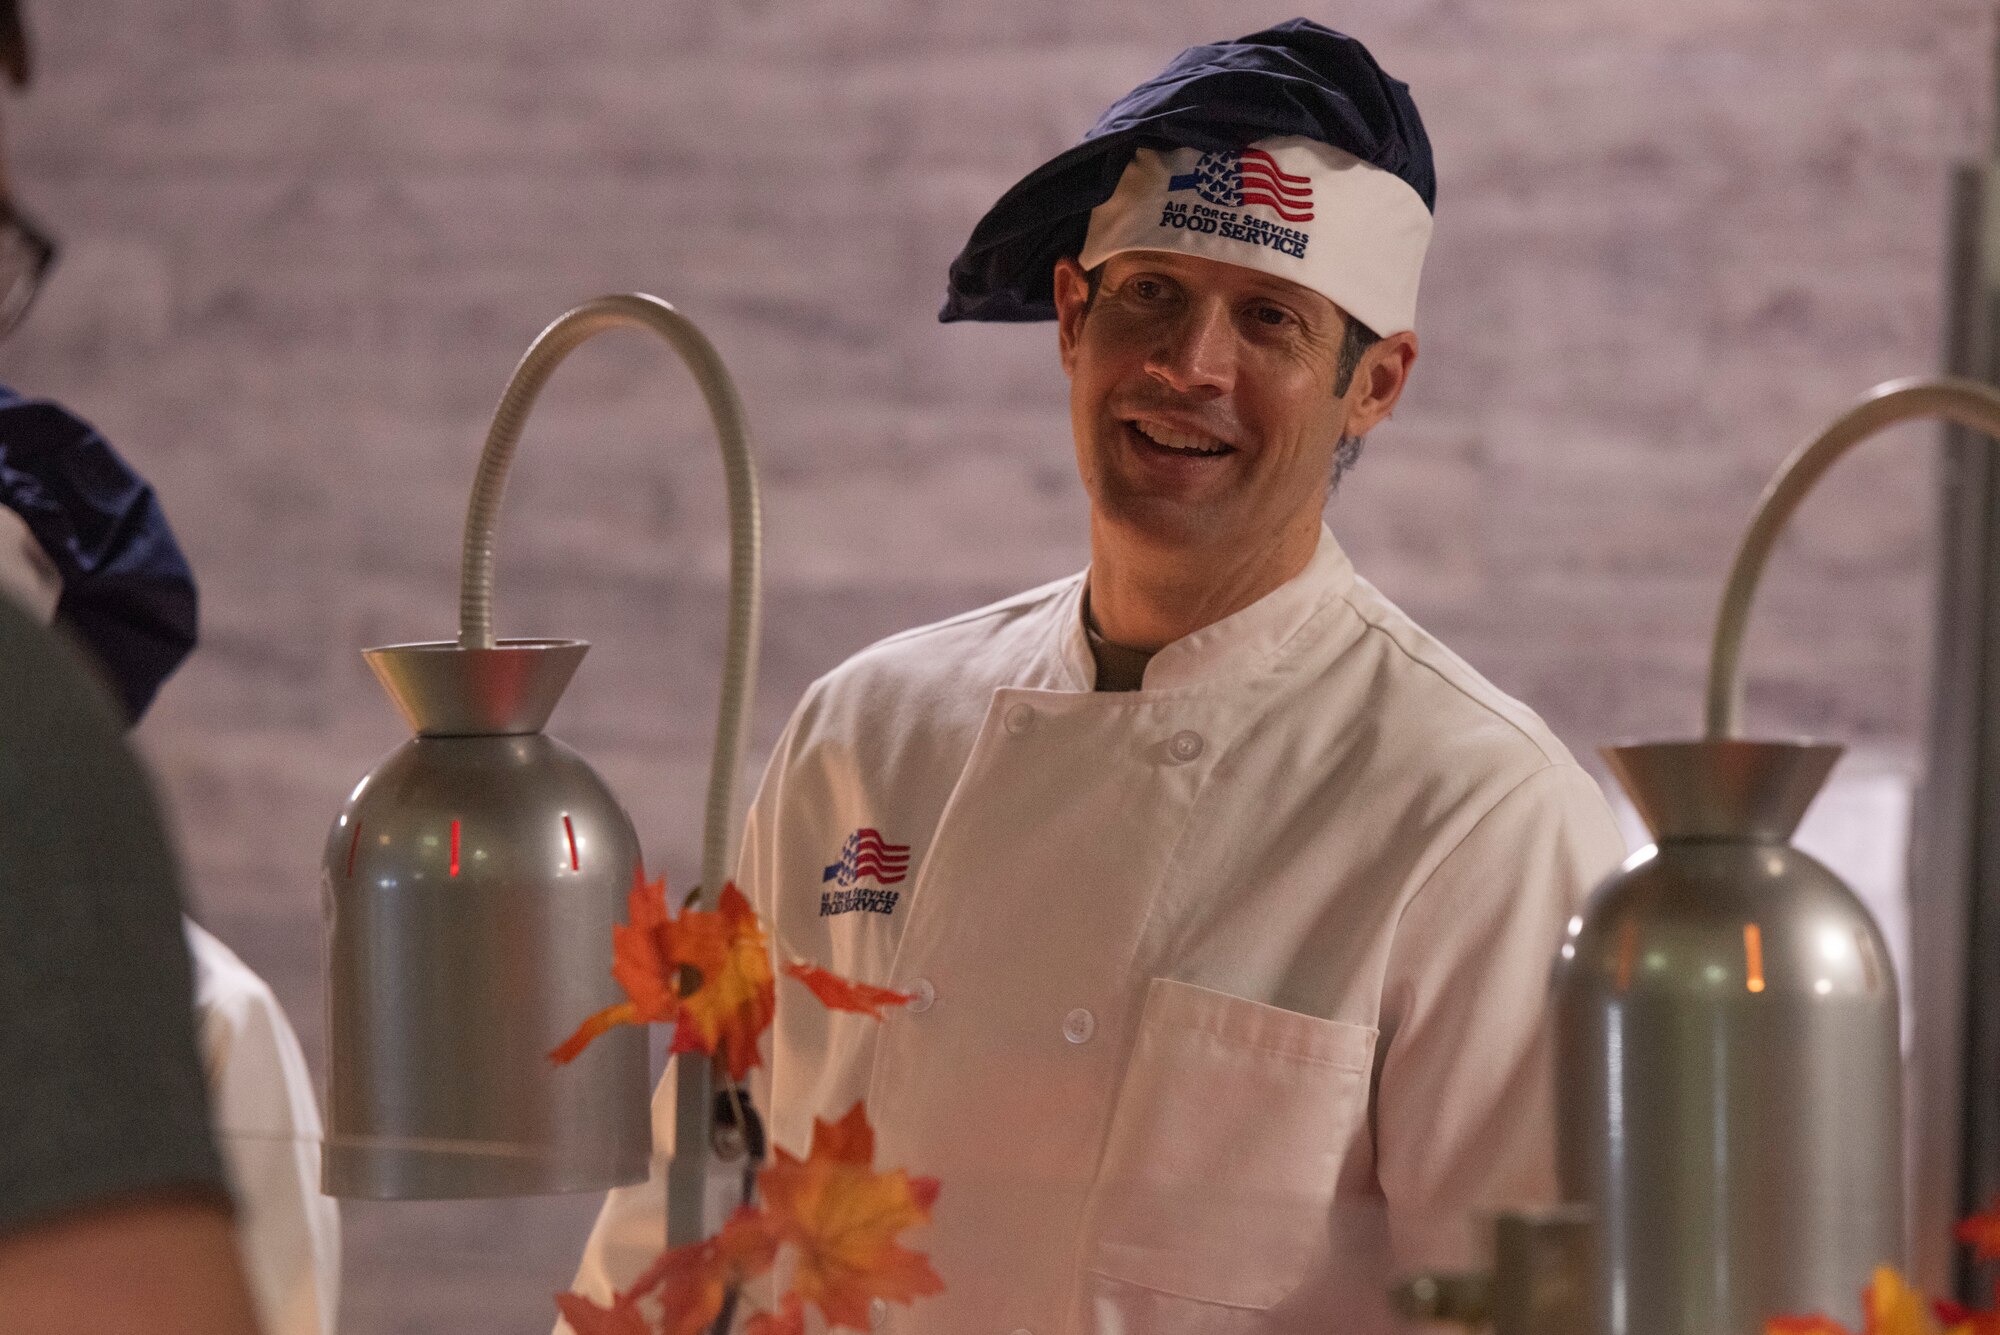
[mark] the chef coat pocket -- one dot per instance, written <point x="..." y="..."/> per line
<point x="1226" y="1143"/>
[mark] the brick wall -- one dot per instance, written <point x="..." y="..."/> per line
<point x="306" y="239"/>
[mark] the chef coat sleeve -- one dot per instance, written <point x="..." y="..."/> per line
<point x="267" y="1123"/>
<point x="1464" y="1107"/>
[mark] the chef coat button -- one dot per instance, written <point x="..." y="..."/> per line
<point x="878" y="1313"/>
<point x="1079" y="1025"/>
<point x="923" y="995"/>
<point x="1184" y="746"/>
<point x="1019" y="719"/>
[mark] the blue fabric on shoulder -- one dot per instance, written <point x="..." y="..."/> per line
<point x="127" y="591"/>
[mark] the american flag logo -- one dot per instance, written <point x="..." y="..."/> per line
<point x="867" y="854"/>
<point x="1248" y="176"/>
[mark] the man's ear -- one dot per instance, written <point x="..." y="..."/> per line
<point x="1379" y="381"/>
<point x="1072" y="293"/>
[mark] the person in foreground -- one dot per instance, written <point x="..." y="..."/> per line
<point x="1227" y="894"/>
<point x="85" y="546"/>
<point x="114" y="1211"/>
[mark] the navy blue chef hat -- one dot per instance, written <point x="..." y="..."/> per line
<point x="1295" y="79"/>
<point x="127" y="591"/>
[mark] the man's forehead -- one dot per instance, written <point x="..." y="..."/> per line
<point x="1202" y="270"/>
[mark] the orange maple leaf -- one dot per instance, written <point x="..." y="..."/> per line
<point x="693" y="1280"/>
<point x="729" y="1012"/>
<point x="1889" y="1306"/>
<point x="643" y="952"/>
<point x="735" y="995"/>
<point x="787" y="1320"/>
<point x="1982" y="1233"/>
<point x="587" y="1318"/>
<point x="843" y="1218"/>
<point x="1958" y="1319"/>
<point x="842" y="994"/>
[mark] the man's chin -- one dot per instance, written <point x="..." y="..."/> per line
<point x="1175" y="523"/>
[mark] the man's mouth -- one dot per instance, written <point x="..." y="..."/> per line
<point x="1187" y="444"/>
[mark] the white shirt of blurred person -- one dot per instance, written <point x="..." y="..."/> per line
<point x="1229" y="895"/>
<point x="261" y="1097"/>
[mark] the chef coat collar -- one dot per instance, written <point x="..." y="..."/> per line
<point x="1240" y="645"/>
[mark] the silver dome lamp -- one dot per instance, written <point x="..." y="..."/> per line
<point x="472" y="878"/>
<point x="1729" y="1087"/>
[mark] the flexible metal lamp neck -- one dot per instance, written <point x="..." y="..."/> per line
<point x="1965" y="402"/>
<point x="739" y="670"/>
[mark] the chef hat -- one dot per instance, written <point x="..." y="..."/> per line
<point x="1288" y="151"/>
<point x="101" y="556"/>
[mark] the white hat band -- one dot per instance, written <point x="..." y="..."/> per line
<point x="1290" y="206"/>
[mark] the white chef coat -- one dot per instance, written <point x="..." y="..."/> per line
<point x="1232" y="988"/>
<point x="267" y="1124"/>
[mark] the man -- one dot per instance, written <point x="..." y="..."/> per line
<point x="85" y="545"/>
<point x="1227" y="894"/>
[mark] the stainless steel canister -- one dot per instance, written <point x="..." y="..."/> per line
<point x="1729" y="1079"/>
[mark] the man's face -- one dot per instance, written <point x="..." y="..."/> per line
<point x="1202" y="399"/>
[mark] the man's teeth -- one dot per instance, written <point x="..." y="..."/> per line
<point x="1182" y="441"/>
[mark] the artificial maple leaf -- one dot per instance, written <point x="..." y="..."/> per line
<point x="643" y="961"/>
<point x="587" y="1318"/>
<point x="1982" y="1232"/>
<point x="1889" y="1306"/>
<point x="843" y="1217"/>
<point x="1804" y="1325"/>
<point x="737" y="998"/>
<point x="1958" y="1319"/>
<point x="843" y="994"/>
<point x="694" y="1280"/>
<point x="787" y="1320"/>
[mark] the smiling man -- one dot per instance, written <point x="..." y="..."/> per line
<point x="1227" y="896"/>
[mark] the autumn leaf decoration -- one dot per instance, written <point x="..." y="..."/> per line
<point x="841" y="1220"/>
<point x="837" y="993"/>
<point x="1891" y="1306"/>
<point x="734" y="997"/>
<point x="708" y="972"/>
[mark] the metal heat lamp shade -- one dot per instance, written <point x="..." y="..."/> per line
<point x="1729" y="1088"/>
<point x="473" y="877"/>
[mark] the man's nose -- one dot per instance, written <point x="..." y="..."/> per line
<point x="1197" y="352"/>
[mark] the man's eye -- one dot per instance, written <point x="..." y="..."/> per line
<point x="1274" y="316"/>
<point x="1148" y="289"/>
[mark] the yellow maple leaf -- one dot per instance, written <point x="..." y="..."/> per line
<point x="729" y="1011"/>
<point x="1889" y="1306"/>
<point x="843" y="1218"/>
